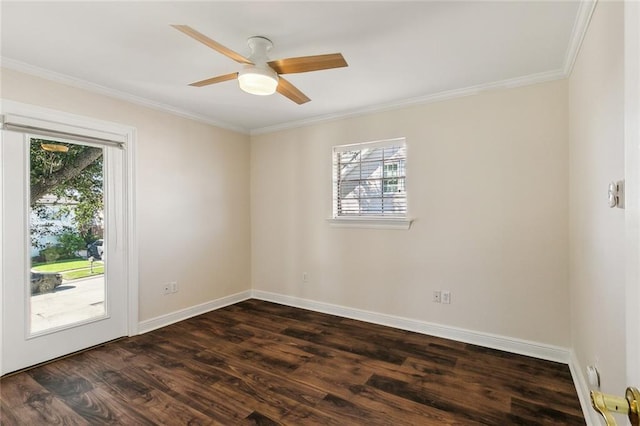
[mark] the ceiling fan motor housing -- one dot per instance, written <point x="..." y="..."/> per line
<point x="259" y="46"/>
<point x="259" y="78"/>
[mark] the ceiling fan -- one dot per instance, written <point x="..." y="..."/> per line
<point x="259" y="75"/>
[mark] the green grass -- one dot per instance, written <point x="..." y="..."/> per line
<point x="83" y="273"/>
<point x="71" y="269"/>
<point x="62" y="265"/>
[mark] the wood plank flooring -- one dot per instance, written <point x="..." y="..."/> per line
<point x="267" y="364"/>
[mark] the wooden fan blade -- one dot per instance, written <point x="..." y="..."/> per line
<point x="213" y="80"/>
<point x="292" y="92"/>
<point x="212" y="44"/>
<point x="308" y="63"/>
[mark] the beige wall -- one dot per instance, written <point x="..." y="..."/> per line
<point x="495" y="221"/>
<point x="192" y="195"/>
<point x="597" y="233"/>
<point x="487" y="188"/>
<point x="487" y="185"/>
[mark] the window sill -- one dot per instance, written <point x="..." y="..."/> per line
<point x="370" y="222"/>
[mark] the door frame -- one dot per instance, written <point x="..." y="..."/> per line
<point x="632" y="179"/>
<point x="82" y="125"/>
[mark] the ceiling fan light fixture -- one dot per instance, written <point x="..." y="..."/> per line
<point x="54" y="147"/>
<point x="258" y="81"/>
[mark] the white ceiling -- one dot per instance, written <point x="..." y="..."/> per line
<point x="398" y="52"/>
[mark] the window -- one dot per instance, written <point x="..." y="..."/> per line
<point x="390" y="171"/>
<point x="369" y="180"/>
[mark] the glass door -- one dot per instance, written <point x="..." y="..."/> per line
<point x="63" y="243"/>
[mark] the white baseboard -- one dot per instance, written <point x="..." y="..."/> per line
<point x="591" y="417"/>
<point x="518" y="346"/>
<point x="183" y="314"/>
<point x="493" y="341"/>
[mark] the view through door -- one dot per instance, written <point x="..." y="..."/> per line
<point x="65" y="246"/>
<point x="66" y="234"/>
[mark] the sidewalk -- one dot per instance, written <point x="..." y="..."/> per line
<point x="73" y="301"/>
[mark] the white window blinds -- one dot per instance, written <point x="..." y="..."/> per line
<point x="45" y="128"/>
<point x="369" y="179"/>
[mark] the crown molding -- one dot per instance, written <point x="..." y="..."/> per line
<point x="580" y="26"/>
<point x="420" y="100"/>
<point x="23" y="67"/>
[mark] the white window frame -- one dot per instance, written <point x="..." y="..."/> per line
<point x="366" y="221"/>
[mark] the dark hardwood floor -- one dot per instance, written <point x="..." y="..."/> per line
<point x="262" y="363"/>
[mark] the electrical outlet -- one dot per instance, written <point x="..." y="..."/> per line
<point x="446" y="297"/>
<point x="166" y="289"/>
<point x="436" y="297"/>
<point x="305" y="277"/>
<point x="173" y="286"/>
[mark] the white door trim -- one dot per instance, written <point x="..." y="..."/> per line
<point x="58" y="120"/>
<point x="632" y="179"/>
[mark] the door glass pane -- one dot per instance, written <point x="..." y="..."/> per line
<point x="68" y="248"/>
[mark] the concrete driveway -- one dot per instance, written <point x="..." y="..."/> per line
<point x="73" y="301"/>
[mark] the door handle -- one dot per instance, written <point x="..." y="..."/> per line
<point x="607" y="404"/>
